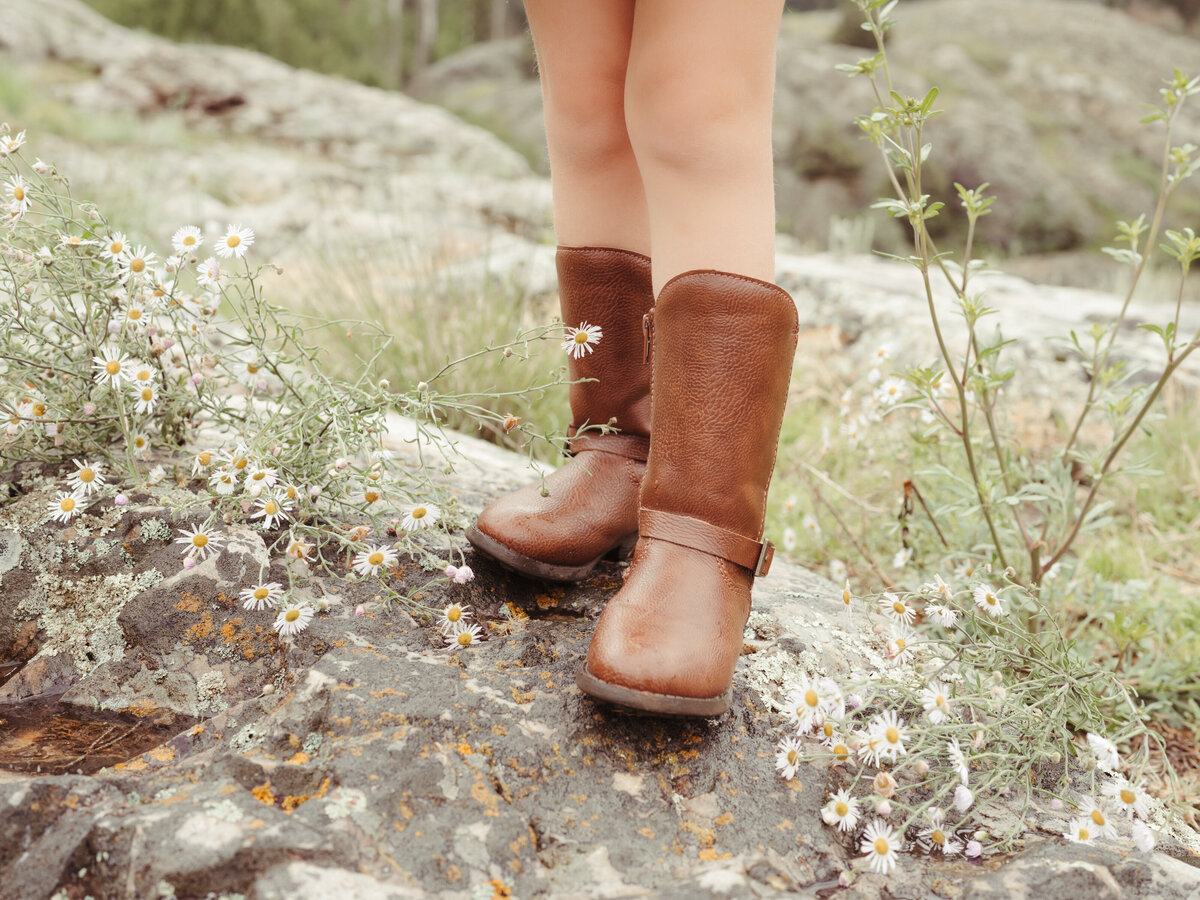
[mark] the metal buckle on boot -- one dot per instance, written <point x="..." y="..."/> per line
<point x="765" y="555"/>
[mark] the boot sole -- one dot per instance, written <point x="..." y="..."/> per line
<point x="649" y="703"/>
<point x="535" y="568"/>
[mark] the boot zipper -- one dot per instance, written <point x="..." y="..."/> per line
<point x="647" y="333"/>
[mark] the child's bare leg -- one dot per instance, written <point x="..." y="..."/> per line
<point x="582" y="50"/>
<point x="698" y="93"/>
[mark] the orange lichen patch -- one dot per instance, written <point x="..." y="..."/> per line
<point x="197" y="729"/>
<point x="161" y="754"/>
<point x="500" y="890"/>
<point x="479" y="790"/>
<point x="387" y="692"/>
<point x="464" y="748"/>
<point x="291" y="803"/>
<point x="795" y="785"/>
<point x="689" y="754"/>
<point x="343" y="686"/>
<point x="255" y="824"/>
<point x="710" y="855"/>
<point x="545" y="601"/>
<point x="188" y="603"/>
<point x="704" y="835"/>
<point x="299" y="759"/>
<point x="647" y="833"/>
<point x="142" y="708"/>
<point x="520" y="697"/>
<point x="228" y="631"/>
<point x="515" y="865"/>
<point x="293" y="740"/>
<point x="174" y="798"/>
<point x="201" y="630"/>
<point x="785" y="825"/>
<point x="228" y="789"/>
<point x="579" y="798"/>
<point x="72" y="802"/>
<point x="723" y="819"/>
<point x="134" y="765"/>
<point x="264" y="794"/>
<point x="499" y="730"/>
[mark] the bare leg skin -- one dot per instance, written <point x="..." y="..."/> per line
<point x="582" y="51"/>
<point x="698" y="94"/>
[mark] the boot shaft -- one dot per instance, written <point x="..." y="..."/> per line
<point x="723" y="346"/>
<point x="612" y="289"/>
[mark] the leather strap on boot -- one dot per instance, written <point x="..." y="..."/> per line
<point x="711" y="539"/>
<point x="630" y="446"/>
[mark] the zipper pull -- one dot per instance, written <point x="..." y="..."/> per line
<point x="647" y="332"/>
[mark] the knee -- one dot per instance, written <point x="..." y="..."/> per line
<point x="696" y="122"/>
<point x="585" y="121"/>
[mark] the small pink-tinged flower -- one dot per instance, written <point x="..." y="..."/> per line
<point x="360" y="611"/>
<point x="189" y="562"/>
<point x="120" y="500"/>
<point x="974" y="850"/>
<point x="884" y="808"/>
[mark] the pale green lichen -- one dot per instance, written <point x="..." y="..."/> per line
<point x="209" y="688"/>
<point x="155" y="530"/>
<point x="79" y="616"/>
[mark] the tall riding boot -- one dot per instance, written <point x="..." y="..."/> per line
<point x="591" y="509"/>
<point x="668" y="641"/>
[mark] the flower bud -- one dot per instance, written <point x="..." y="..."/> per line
<point x="974" y="850"/>
<point x="360" y="611"/>
<point x="884" y="785"/>
<point x="884" y="808"/>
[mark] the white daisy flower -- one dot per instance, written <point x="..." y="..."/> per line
<point x="201" y="461"/>
<point x="807" y="704"/>
<point x="234" y="242"/>
<point x="209" y="274"/>
<point x="261" y="596"/>
<point x="452" y="615"/>
<point x="111" y="366"/>
<point x="789" y="539"/>
<point x="891" y="734"/>
<point x="263" y="476"/>
<point x="1106" y="752"/>
<point x="1080" y="831"/>
<point x="870" y="747"/>
<point x="224" y="481"/>
<point x="787" y="757"/>
<point x="1128" y="798"/>
<point x="896" y="609"/>
<point x="957" y="759"/>
<point x="140" y="372"/>
<point x="135" y="312"/>
<point x="74" y="240"/>
<point x="899" y="648"/>
<point x="881" y="844"/>
<point x="187" y="240"/>
<point x="902" y="557"/>
<point x="838" y="747"/>
<point x="1143" y="837"/>
<point x="963" y="798"/>
<point x="10" y="143"/>
<point x="65" y="506"/>
<point x="847" y="597"/>
<point x="1101" y="824"/>
<point x="238" y="459"/>
<point x="936" y="700"/>
<point x="841" y="811"/>
<point x="87" y="478"/>
<point x="942" y="615"/>
<point x="939" y="838"/>
<point x="939" y="588"/>
<point x="890" y="392"/>
<point x="293" y="619"/>
<point x="114" y="246"/>
<point x="147" y="396"/>
<point x="988" y="600"/>
<point x="462" y="635"/>
<point x="373" y="559"/>
<point x="420" y="516"/>
<point x="837" y="571"/>
<point x="810" y="524"/>
<point x="579" y="342"/>
<point x="18" y="193"/>
<point x="199" y="541"/>
<point x="140" y="445"/>
<point x="136" y="262"/>
<point x="272" y="509"/>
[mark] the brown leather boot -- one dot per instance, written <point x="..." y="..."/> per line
<point x="591" y="510"/>
<point x="668" y="641"/>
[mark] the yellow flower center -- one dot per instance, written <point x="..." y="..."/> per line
<point x="989" y="599"/>
<point x="938" y="836"/>
<point x="899" y="608"/>
<point x="581" y="337"/>
<point x="199" y="540"/>
<point x="89" y="475"/>
<point x="841" y="809"/>
<point x="241" y="462"/>
<point x="115" y="247"/>
<point x="261" y="593"/>
<point x="892" y="736"/>
<point x="135" y="313"/>
<point x="258" y="476"/>
<point x="1127" y="796"/>
<point x="419" y="512"/>
<point x="901" y="643"/>
<point x="232" y="241"/>
<point x="1098" y="817"/>
<point x="137" y="264"/>
<point x="112" y="367"/>
<point x="371" y="496"/>
<point x="453" y="614"/>
<point x="291" y="492"/>
<point x="67" y="504"/>
<point x="1083" y="834"/>
<point x="846" y="597"/>
<point x="375" y="558"/>
<point x="270" y="507"/>
<point x="882" y="846"/>
<point x="143" y="375"/>
<point x="793" y="757"/>
<point x="252" y="368"/>
<point x="204" y="458"/>
<point x="39" y="409"/>
<point x="18" y="193"/>
<point x="189" y="240"/>
<point x="147" y="394"/>
<point x="811" y="698"/>
<point x="841" y="751"/>
<point x="464" y="639"/>
<point x="291" y="615"/>
<point x="139" y="442"/>
<point x="827" y="729"/>
<point x="939" y="700"/>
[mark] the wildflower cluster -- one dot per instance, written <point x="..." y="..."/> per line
<point x="923" y="748"/>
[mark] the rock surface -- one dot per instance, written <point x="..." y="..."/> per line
<point x="364" y="758"/>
